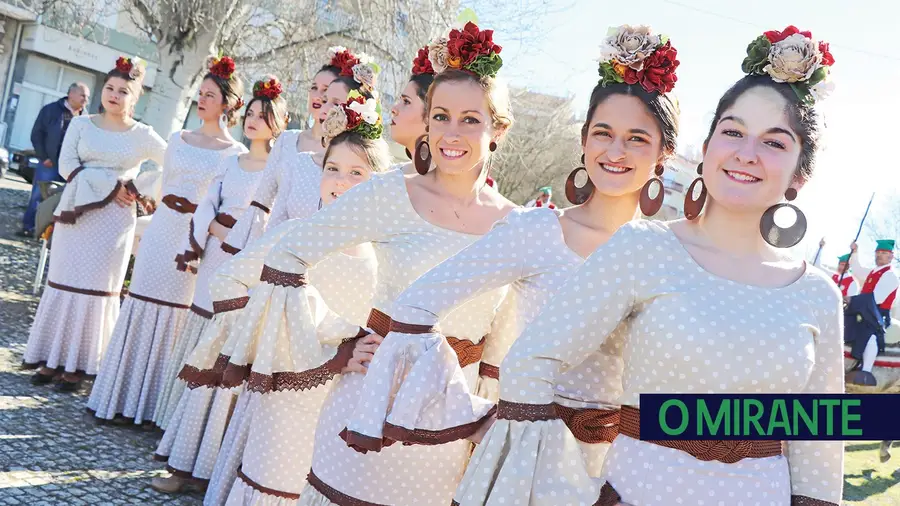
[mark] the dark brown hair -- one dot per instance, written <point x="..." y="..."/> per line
<point x="497" y="95"/>
<point x="274" y="113"/>
<point x="422" y="82"/>
<point x="232" y="90"/>
<point x="375" y="151"/>
<point x="352" y="84"/>
<point x="803" y="118"/>
<point x="662" y="107"/>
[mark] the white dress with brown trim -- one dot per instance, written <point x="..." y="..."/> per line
<point x="226" y="200"/>
<point x="289" y="190"/>
<point x="406" y="246"/>
<point x="160" y="295"/>
<point x="685" y="331"/>
<point x="528" y="252"/>
<point x="92" y="241"/>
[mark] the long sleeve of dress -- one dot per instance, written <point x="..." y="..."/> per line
<point x="279" y="328"/>
<point x="148" y="183"/>
<point x="817" y="467"/>
<point x="252" y="223"/>
<point x="415" y="383"/>
<point x="528" y="444"/>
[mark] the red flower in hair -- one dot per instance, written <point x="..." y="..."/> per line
<point x="353" y="117"/>
<point x="776" y="36"/>
<point x="422" y="64"/>
<point x="124" y="65"/>
<point x="658" y="71"/>
<point x="270" y="89"/>
<point x="827" y="58"/>
<point x="470" y="43"/>
<point x="345" y="62"/>
<point x="222" y="67"/>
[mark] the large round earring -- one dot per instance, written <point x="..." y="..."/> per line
<point x="575" y="194"/>
<point x="422" y="160"/>
<point x="783" y="237"/>
<point x="692" y="208"/>
<point x="652" y="205"/>
<point x="492" y="146"/>
<point x="223" y="121"/>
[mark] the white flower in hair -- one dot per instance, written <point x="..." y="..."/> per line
<point x="821" y="91"/>
<point x="368" y="111"/>
<point x="364" y="58"/>
<point x="336" y="49"/>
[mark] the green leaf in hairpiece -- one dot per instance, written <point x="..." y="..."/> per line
<point x="757" y="56"/>
<point x="817" y="77"/>
<point x="486" y="65"/>
<point x="375" y="67"/>
<point x="802" y="91"/>
<point x="609" y="75"/>
<point x="467" y="15"/>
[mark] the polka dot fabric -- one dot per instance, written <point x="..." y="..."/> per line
<point x="146" y="330"/>
<point x="289" y="189"/>
<point x="71" y="329"/>
<point x="685" y="330"/>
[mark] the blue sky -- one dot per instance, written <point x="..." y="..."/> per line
<point x="711" y="37"/>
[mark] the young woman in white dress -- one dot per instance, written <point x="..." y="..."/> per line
<point x="227" y="198"/>
<point x="704" y="305"/>
<point x="159" y="298"/>
<point x="100" y="158"/>
<point x="413" y="223"/>
<point x="630" y="131"/>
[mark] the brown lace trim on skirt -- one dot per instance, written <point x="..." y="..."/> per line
<point x="280" y="278"/>
<point x="802" y="500"/>
<point x="234" y="375"/>
<point x="196" y="378"/>
<point x="303" y="380"/>
<point x="265" y="490"/>
<point x="69" y="217"/>
<point x="224" y="306"/>
<point x="434" y="437"/>
<point x="590" y="425"/>
<point x="727" y="452"/>
<point x="199" y="311"/>
<point x="260" y="206"/>
<point x="82" y="291"/>
<point x="335" y="496"/>
<point x="489" y="371"/>
<point x="157" y="301"/>
<point x="521" y="412"/>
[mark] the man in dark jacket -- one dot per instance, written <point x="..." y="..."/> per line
<point x="47" y="137"/>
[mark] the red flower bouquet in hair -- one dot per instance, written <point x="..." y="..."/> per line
<point x="470" y="43"/>
<point x="270" y="89"/>
<point x="124" y="65"/>
<point x="776" y="36"/>
<point x="636" y="55"/>
<point x="358" y="114"/>
<point x="422" y="64"/>
<point x="344" y="60"/>
<point x="658" y="70"/>
<point x="222" y="67"/>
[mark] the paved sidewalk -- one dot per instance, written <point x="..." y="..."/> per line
<point x="50" y="452"/>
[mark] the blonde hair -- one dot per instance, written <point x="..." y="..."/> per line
<point x="374" y="151"/>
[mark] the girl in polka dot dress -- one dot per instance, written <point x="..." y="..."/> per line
<point x="290" y="188"/>
<point x="629" y="132"/>
<point x="413" y="223"/>
<point x="100" y="158"/>
<point x="227" y="198"/>
<point x="154" y="313"/>
<point x="704" y="305"/>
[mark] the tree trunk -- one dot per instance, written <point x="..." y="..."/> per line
<point x="176" y="84"/>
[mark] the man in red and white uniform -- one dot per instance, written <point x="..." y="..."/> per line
<point x="543" y="199"/>
<point x="882" y="281"/>
<point x="849" y="286"/>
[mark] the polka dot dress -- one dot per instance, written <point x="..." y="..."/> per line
<point x="684" y="330"/>
<point x="229" y="195"/>
<point x="289" y="190"/>
<point x="378" y="212"/>
<point x="154" y="312"/>
<point x="89" y="257"/>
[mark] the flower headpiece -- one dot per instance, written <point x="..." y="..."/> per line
<point x="422" y="64"/>
<point x="221" y="66"/>
<point x="358" y="114"/>
<point x="267" y="88"/>
<point x="134" y="67"/>
<point x="635" y="55"/>
<point x="360" y="67"/>
<point x="792" y="57"/>
<point x="468" y="49"/>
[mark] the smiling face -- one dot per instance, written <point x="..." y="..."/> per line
<point x="752" y="155"/>
<point x="407" y="116"/>
<point x="210" y="103"/>
<point x="336" y="95"/>
<point x="317" y="91"/>
<point x="255" y="126"/>
<point x="460" y="126"/>
<point x="623" y="145"/>
<point x="345" y="168"/>
<point x="118" y="96"/>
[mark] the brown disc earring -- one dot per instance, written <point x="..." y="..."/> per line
<point x="651" y="205"/>
<point x="783" y="237"/>
<point x="492" y="146"/>
<point x="575" y="194"/>
<point x="692" y="208"/>
<point x="408" y="154"/>
<point x="422" y="160"/>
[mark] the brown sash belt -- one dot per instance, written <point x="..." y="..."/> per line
<point x="179" y="204"/>
<point x="727" y="452"/>
<point x="226" y="220"/>
<point x="468" y="352"/>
